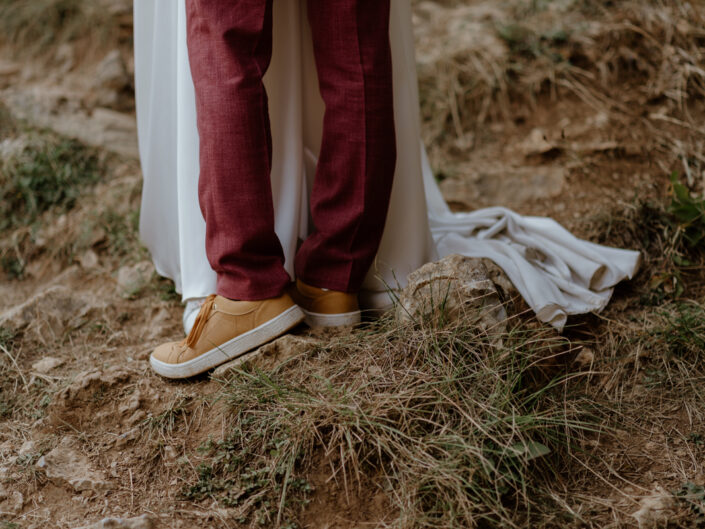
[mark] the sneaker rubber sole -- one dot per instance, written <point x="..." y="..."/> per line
<point x="231" y="349"/>
<point x="317" y="320"/>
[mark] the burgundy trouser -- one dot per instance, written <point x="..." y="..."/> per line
<point x="230" y="47"/>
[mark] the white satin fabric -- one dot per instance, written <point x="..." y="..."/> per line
<point x="555" y="272"/>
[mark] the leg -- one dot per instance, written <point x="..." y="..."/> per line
<point x="230" y="46"/>
<point x="353" y="182"/>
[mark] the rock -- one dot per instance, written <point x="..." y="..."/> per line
<point x="510" y="187"/>
<point x="126" y="438"/>
<point x="89" y="260"/>
<point x="159" y="325"/>
<point x="88" y="384"/>
<point x="111" y="78"/>
<point x="142" y="522"/>
<point x="117" y="7"/>
<point x="9" y="68"/>
<point x="501" y="281"/>
<point x="46" y="314"/>
<point x="375" y="371"/>
<point x="11" y="147"/>
<point x="535" y="144"/>
<point x="10" y="501"/>
<point x="65" y="58"/>
<point x="87" y="399"/>
<point x="469" y="30"/>
<point x="103" y="127"/>
<point x="111" y="72"/>
<point x="66" y="466"/>
<point x="137" y="417"/>
<point x="28" y="447"/>
<point x="655" y="509"/>
<point x="132" y="404"/>
<point x="270" y="355"/>
<point x="112" y="121"/>
<point x="453" y="288"/>
<point x="170" y="453"/>
<point x="133" y="278"/>
<point x="46" y="364"/>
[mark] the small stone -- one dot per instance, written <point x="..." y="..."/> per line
<point x="113" y="121"/>
<point x="9" y="68"/>
<point x="655" y="509"/>
<point x="138" y="416"/>
<point x="89" y="260"/>
<point x="46" y="364"/>
<point x="11" y="501"/>
<point x="11" y="147"/>
<point x="132" y="279"/>
<point x="66" y="466"/>
<point x="170" y="453"/>
<point x="142" y="522"/>
<point x="28" y="447"/>
<point x="159" y="325"/>
<point x="374" y="371"/>
<point x="111" y="77"/>
<point x="132" y="403"/>
<point x="127" y="437"/>
<point x="65" y="58"/>
<point x="536" y="143"/>
<point x="47" y="314"/>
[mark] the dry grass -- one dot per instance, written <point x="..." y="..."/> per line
<point x="444" y="425"/>
<point x="49" y="207"/>
<point x="491" y="61"/>
<point x="33" y="28"/>
<point x="451" y="430"/>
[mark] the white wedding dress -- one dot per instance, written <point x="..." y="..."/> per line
<point x="556" y="273"/>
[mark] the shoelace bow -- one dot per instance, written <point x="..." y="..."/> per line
<point x="200" y="322"/>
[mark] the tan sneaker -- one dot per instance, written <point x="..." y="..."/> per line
<point x="325" y="308"/>
<point x="223" y="330"/>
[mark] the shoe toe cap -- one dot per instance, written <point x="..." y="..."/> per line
<point x="167" y="353"/>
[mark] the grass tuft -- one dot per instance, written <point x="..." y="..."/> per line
<point x="47" y="173"/>
<point x="669" y="233"/>
<point x="37" y="26"/>
<point x="453" y="430"/>
<point x="122" y="231"/>
<point x="694" y="497"/>
<point x="8" y="126"/>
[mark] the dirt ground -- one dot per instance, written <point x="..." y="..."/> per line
<point x="581" y="111"/>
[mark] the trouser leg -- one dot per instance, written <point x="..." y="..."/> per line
<point x="230" y="47"/>
<point x="353" y="182"/>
